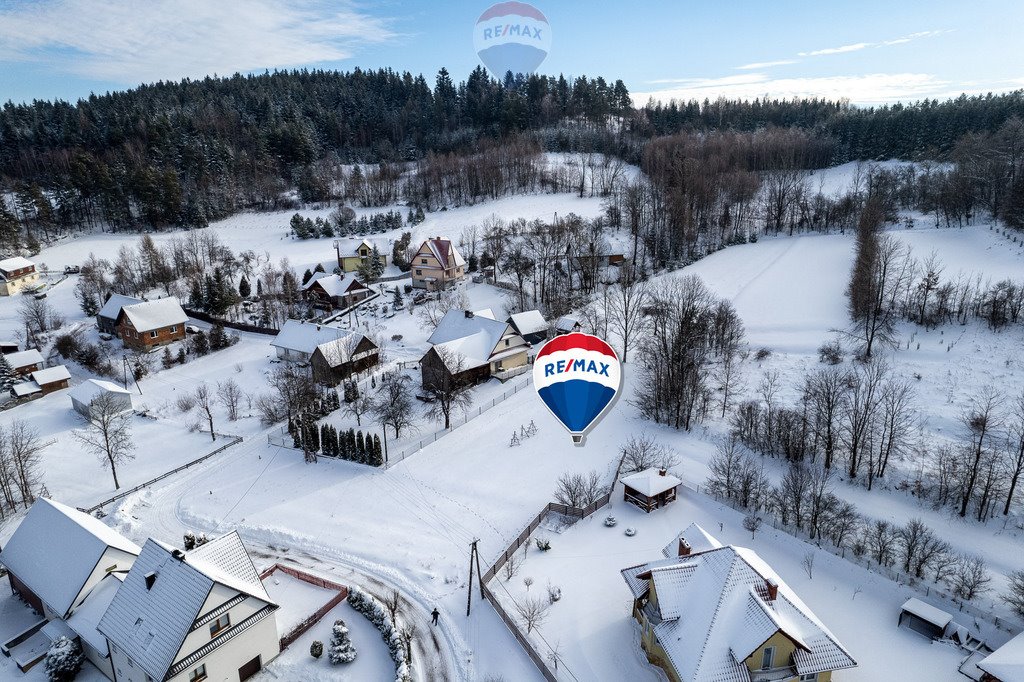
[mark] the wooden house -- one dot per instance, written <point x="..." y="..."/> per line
<point x="352" y="254"/>
<point x="106" y="318"/>
<point x="26" y="361"/>
<point x="15" y="274"/>
<point x="332" y="292"/>
<point x="531" y="325"/>
<point x="721" y="612"/>
<point x="650" y="489"/>
<point x="146" y="325"/>
<point x="437" y="264"/>
<point x="468" y="347"/>
<point x="334" y="361"/>
<point x="42" y="382"/>
<point x="298" y="339"/>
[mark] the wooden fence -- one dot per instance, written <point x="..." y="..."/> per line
<point x="308" y="622"/>
<point x="141" y="486"/>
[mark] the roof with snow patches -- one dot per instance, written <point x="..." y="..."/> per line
<point x="56" y="548"/>
<point x="152" y="315"/>
<point x="150" y="625"/>
<point x="714" y="610"/>
<point x="471" y="336"/>
<point x="334" y="285"/>
<point x="445" y="252"/>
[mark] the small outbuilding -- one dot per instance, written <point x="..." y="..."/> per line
<point x="650" y="489"/>
<point x="531" y="325"/>
<point x="567" y="325"/>
<point x="106" y="319"/>
<point x="25" y="361"/>
<point x="42" y="381"/>
<point x="83" y="396"/>
<point x="924" y="619"/>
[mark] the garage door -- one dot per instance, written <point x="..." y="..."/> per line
<point x="249" y="669"/>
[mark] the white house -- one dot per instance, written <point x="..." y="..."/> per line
<point x="185" y="617"/>
<point x="83" y="395"/>
<point x="15" y="274"/>
<point x="297" y="339"/>
<point x="56" y="561"/>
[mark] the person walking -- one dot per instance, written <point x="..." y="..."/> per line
<point x="434" y="615"/>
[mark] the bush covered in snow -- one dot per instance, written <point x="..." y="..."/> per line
<point x="316" y="649"/>
<point x="375" y="612"/>
<point x="63" y="660"/>
<point x="342" y="650"/>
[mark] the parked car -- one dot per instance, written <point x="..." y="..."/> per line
<point x="191" y="329"/>
<point x="72" y="269"/>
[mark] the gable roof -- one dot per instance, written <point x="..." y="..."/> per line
<point x="112" y="308"/>
<point x="150" y="625"/>
<point x="24" y="358"/>
<point x="87" y="616"/>
<point x="351" y="246"/>
<point x="15" y="263"/>
<point x="304" y="337"/>
<point x="650" y="482"/>
<point x="443" y="249"/>
<point x="334" y="285"/>
<point x="927" y="612"/>
<point x="88" y="390"/>
<point x="338" y="352"/>
<point x="566" y="323"/>
<point x="51" y="375"/>
<point x="151" y="315"/>
<point x="56" y="548"/>
<point x="1007" y="662"/>
<point x="473" y="338"/>
<point x="529" y="322"/>
<point x="715" y="612"/>
<point x="696" y="537"/>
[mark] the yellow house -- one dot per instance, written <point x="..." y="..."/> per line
<point x="469" y="347"/>
<point x="15" y="274"/>
<point x="437" y="264"/>
<point x="351" y="255"/>
<point x="713" y="612"/>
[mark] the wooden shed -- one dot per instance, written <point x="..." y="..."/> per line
<point x="924" y="618"/>
<point x="650" y="489"/>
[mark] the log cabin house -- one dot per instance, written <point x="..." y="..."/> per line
<point x="650" y="489"/>
<point x="146" y="325"/>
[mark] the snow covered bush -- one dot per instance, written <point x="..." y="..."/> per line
<point x="342" y="650"/>
<point x="63" y="660"/>
<point x="316" y="649"/>
<point x="375" y="612"/>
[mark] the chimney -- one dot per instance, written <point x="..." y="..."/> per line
<point x="469" y="314"/>
<point x="150" y="579"/>
<point x="684" y="547"/>
<point x="318" y="327"/>
<point x="773" y="589"/>
<point x="178" y="554"/>
<point x="663" y="472"/>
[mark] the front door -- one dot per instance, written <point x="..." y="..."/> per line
<point x="249" y="669"/>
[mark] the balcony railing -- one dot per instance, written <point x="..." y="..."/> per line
<point x="773" y="674"/>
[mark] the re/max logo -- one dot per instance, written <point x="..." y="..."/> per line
<point x="552" y="368"/>
<point x="499" y="31"/>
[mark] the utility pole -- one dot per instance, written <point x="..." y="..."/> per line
<point x="469" y="593"/>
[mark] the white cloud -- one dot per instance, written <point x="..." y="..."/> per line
<point x="765" y="65"/>
<point x="168" y="39"/>
<point x="836" y="50"/>
<point x="874" y="88"/>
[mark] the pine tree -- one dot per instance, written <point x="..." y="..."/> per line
<point x="360" y="454"/>
<point x="306" y="276"/>
<point x="7" y="376"/>
<point x="378" y="451"/>
<point x="167" y="360"/>
<point x="195" y="295"/>
<point x="396" y="300"/>
<point x="218" y="338"/>
<point x="181" y="355"/>
<point x="319" y="268"/>
<point x="341" y="650"/>
<point x="244" y="288"/>
<point x="200" y="343"/>
<point x="259" y="288"/>
<point x="65" y="658"/>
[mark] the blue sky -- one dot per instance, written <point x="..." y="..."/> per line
<point x="868" y="52"/>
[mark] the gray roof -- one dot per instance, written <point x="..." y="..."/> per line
<point x="56" y="548"/>
<point x="151" y="315"/>
<point x="150" y="626"/>
<point x="112" y="308"/>
<point x="306" y="336"/>
<point x="529" y="322"/>
<point x="473" y="339"/>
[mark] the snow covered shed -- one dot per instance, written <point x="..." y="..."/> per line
<point x="567" y="325"/>
<point x="650" y="489"/>
<point x="58" y="554"/>
<point x="531" y="325"/>
<point x="191" y="616"/>
<point x="83" y="395"/>
<point x="106" y="319"/>
<point x="334" y="361"/>
<point x="724" y="614"/>
<point x="25" y="361"/>
<point x="1005" y="664"/>
<point x="924" y="618"/>
<point x="298" y="339"/>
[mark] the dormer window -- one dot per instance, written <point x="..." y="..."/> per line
<point x="220" y="625"/>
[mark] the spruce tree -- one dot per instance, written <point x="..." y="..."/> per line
<point x="306" y="276"/>
<point x="218" y="338"/>
<point x="378" y="451"/>
<point x="244" y="288"/>
<point x="7" y="376"/>
<point x="341" y="650"/>
<point x="360" y="454"/>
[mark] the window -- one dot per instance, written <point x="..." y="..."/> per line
<point x="197" y="674"/>
<point x="809" y="677"/>
<point x="423" y="261"/>
<point x="174" y="329"/>
<point x="419" y="272"/>
<point x="153" y="334"/>
<point x="506" y="343"/>
<point x="219" y="625"/>
<point x="766" y="657"/>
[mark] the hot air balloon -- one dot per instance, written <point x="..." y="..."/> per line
<point x="512" y="36"/>
<point x="577" y="376"/>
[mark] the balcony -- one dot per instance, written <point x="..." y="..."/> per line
<point x="773" y="674"/>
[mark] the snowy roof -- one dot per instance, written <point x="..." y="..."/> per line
<point x="566" y="323"/>
<point x="351" y="246"/>
<point x="51" y="375"/>
<point x="1007" y="662"/>
<point x="56" y="548"/>
<point x="87" y="616"/>
<point x="696" y="537"/>
<point x="445" y="252"/>
<point x="306" y="336"/>
<point x="334" y="285"/>
<point x="25" y="388"/>
<point x="339" y="351"/>
<point x="529" y="322"/>
<point x="926" y="612"/>
<point x="150" y="625"/>
<point x="15" y="263"/>
<point x="650" y="482"/>
<point x="90" y="389"/>
<point x="150" y="315"/>
<point x="112" y="308"/>
<point x="472" y="338"/>
<point x="716" y="611"/>
<point x="24" y="358"/>
<point x="485" y="312"/>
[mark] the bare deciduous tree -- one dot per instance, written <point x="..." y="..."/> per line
<point x="443" y="383"/>
<point x="578" y="490"/>
<point x="970" y="578"/>
<point x="808" y="563"/>
<point x="230" y="395"/>
<point x="644" y="452"/>
<point x="533" y="611"/>
<point x="393" y="405"/>
<point x="205" y="401"/>
<point x="108" y="433"/>
<point x="752" y="522"/>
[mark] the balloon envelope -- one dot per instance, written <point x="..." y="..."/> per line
<point x="577" y="376"/>
<point x="512" y="36"/>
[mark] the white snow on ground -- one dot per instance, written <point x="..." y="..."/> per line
<point x="297" y="598"/>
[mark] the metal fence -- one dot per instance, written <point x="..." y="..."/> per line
<point x="141" y="486"/>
